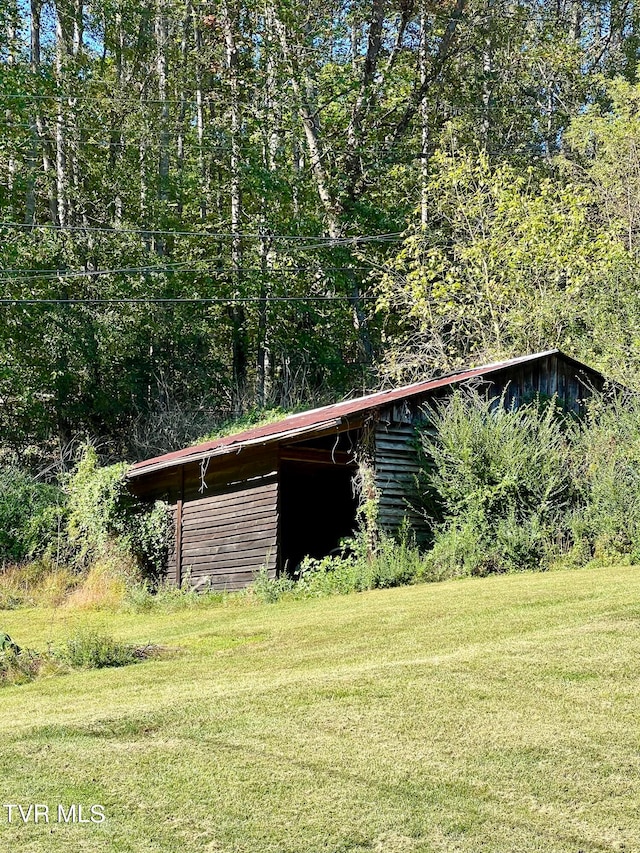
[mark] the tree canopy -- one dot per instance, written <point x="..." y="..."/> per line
<point x="211" y="207"/>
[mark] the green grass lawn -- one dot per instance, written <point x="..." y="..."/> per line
<point x="480" y="715"/>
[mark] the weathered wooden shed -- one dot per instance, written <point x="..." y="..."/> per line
<point x="270" y="495"/>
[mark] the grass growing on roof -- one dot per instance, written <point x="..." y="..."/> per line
<point x="496" y="714"/>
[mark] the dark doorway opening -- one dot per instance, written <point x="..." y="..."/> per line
<point x="317" y="509"/>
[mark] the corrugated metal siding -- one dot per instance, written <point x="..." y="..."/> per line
<point x="229" y="536"/>
<point x="396" y="467"/>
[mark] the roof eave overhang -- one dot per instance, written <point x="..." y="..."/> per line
<point x="340" y="422"/>
<point x="328" y="427"/>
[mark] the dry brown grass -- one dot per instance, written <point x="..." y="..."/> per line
<point x="38" y="583"/>
<point x="103" y="587"/>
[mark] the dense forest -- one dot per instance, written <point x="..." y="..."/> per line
<point x="212" y="208"/>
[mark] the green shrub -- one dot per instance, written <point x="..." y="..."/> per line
<point x="457" y="550"/>
<point x="332" y="575"/>
<point x="397" y="561"/>
<point x="18" y="667"/>
<point x="464" y="547"/>
<point x="102" y="513"/>
<point x="92" y="650"/>
<point x="358" y="568"/>
<point x="31" y="513"/>
<point x="607" y="460"/>
<point x="85" y="650"/>
<point x="269" y="590"/>
<point x="501" y="479"/>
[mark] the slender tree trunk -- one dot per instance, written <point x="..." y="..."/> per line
<point x="308" y="113"/>
<point x="205" y="183"/>
<point x="39" y="130"/>
<point x="162" y="37"/>
<point x="487" y="67"/>
<point x="361" y="107"/>
<point x="144" y="190"/>
<point x="11" y="46"/>
<point x="182" y="116"/>
<point x="115" y="147"/>
<point x="424" y="117"/>
<point x="262" y="360"/>
<point x="239" y="331"/>
<point x="74" y="134"/>
<point x="62" y="178"/>
<point x="272" y="121"/>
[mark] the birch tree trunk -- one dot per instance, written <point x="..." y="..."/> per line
<point x="205" y="187"/>
<point x="61" y="56"/>
<point x="308" y="112"/>
<point x="182" y="97"/>
<point x="39" y="129"/>
<point x="238" y="317"/>
<point x="271" y="142"/>
<point x="162" y="37"/>
<point x="424" y="117"/>
<point x="116" y="140"/>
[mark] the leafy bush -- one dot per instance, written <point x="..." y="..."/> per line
<point x="355" y="569"/>
<point x="607" y="460"/>
<point x="31" y="513"/>
<point x="268" y="590"/>
<point x="397" y="561"/>
<point x="18" y="667"/>
<point x="85" y="650"/>
<point x="332" y="575"/>
<point x="502" y="481"/>
<point x="464" y="547"/>
<point x="103" y="514"/>
<point x="92" y="650"/>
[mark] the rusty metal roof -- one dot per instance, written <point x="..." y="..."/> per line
<point x="326" y="417"/>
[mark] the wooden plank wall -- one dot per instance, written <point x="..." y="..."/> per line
<point x="547" y="377"/>
<point x="396" y="464"/>
<point x="228" y="536"/>
<point x="396" y="458"/>
<point x="171" y="574"/>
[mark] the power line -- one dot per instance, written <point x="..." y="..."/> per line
<point x="44" y="273"/>
<point x="61" y="275"/>
<point x="203" y="300"/>
<point x="228" y="235"/>
<point x="383" y="146"/>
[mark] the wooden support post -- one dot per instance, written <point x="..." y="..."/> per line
<point x="179" y="530"/>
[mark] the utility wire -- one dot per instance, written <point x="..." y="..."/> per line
<point x="228" y="235"/>
<point x="44" y="273"/>
<point x="127" y="138"/>
<point x="160" y="300"/>
<point x="63" y="275"/>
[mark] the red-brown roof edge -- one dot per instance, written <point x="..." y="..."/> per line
<point x="312" y="419"/>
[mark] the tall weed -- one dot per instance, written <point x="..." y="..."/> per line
<point x="607" y="470"/>
<point x="501" y="479"/>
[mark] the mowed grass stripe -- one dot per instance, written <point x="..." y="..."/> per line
<point x="496" y="715"/>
